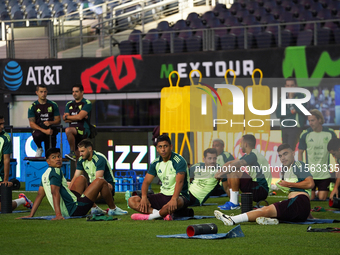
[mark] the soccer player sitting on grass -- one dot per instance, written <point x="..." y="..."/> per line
<point x="296" y="181"/>
<point x="75" y="202"/>
<point x="257" y="180"/>
<point x="172" y="170"/>
<point x="5" y="164"/>
<point x="203" y="175"/>
<point x="334" y="148"/>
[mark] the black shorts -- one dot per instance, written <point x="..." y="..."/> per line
<point x="248" y="185"/>
<point x="294" y="209"/>
<point x="193" y="200"/>
<point x="322" y="184"/>
<point x="84" y="204"/>
<point x="79" y="138"/>
<point x="157" y="201"/>
<point x="113" y="186"/>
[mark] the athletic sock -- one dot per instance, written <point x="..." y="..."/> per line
<point x="20" y="201"/>
<point x="240" y="218"/>
<point x="234" y="197"/>
<point x="154" y="215"/>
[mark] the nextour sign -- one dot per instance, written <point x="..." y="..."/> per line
<point x="238" y="104"/>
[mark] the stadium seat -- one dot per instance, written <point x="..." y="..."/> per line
<point x="235" y="8"/>
<point x="4" y="15"/>
<point x="277" y="11"/>
<point x="194" y="44"/>
<point x="265" y="39"/>
<point x="180" y="25"/>
<point x="192" y="16"/>
<point x="324" y="14"/>
<point x="241" y="14"/>
<point x="267" y="19"/>
<point x="305" y="16"/>
<point x="334" y="6"/>
<point x="315" y="8"/>
<point x="305" y="38"/>
<point x="260" y="2"/>
<point x="219" y="8"/>
<point x="287" y="4"/>
<point x="311" y="26"/>
<point x="286" y="17"/>
<point x="131" y="45"/>
<point x="337" y="35"/>
<point x="324" y="36"/>
<point x="162" y="26"/>
<point x="228" y="42"/>
<point x="251" y="38"/>
<point x="26" y="2"/>
<point x="249" y="20"/>
<point x="324" y="3"/>
<point x="213" y="22"/>
<point x="151" y="36"/>
<point x="224" y="15"/>
<point x="306" y="3"/>
<point x="251" y="6"/>
<point x="180" y="41"/>
<point x="231" y="22"/>
<point x="269" y="5"/>
<point x="259" y="12"/>
<point x="160" y="46"/>
<point x="294" y="29"/>
<point x="296" y="10"/>
<point x="287" y="39"/>
<point x="32" y="14"/>
<point x="208" y="15"/>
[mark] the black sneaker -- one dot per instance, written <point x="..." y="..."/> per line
<point x="71" y="156"/>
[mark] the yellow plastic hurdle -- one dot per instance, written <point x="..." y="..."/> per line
<point x="175" y="113"/>
<point x="261" y="101"/>
<point x="225" y="112"/>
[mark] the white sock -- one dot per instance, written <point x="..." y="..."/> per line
<point x="240" y="218"/>
<point x="234" y="197"/>
<point x="20" y="201"/>
<point x="154" y="215"/>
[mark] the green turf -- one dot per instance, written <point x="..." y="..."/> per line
<point x="139" y="237"/>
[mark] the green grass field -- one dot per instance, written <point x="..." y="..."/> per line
<point x="78" y="236"/>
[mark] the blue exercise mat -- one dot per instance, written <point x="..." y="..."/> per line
<point x="235" y="232"/>
<point x="223" y="195"/>
<point x="19" y="211"/>
<point x="50" y="217"/>
<point x="196" y="217"/>
<point x="312" y="221"/>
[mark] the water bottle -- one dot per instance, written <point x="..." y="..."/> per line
<point x="127" y="196"/>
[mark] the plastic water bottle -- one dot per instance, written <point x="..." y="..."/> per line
<point x="127" y="196"/>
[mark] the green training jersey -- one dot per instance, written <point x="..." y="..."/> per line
<point x="204" y="181"/>
<point x="266" y="170"/>
<point x="224" y="158"/>
<point x="5" y="148"/>
<point x="68" y="201"/>
<point x="297" y="172"/>
<point x="317" y="155"/>
<point x="166" y="172"/>
<point x="97" y="163"/>
<point x="254" y="169"/>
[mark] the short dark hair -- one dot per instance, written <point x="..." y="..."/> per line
<point x="1" y="117"/>
<point x="81" y="88"/>
<point x="163" y="138"/>
<point x="51" y="151"/>
<point x="210" y="150"/>
<point x="333" y="144"/>
<point x="291" y="79"/>
<point x="85" y="143"/>
<point x="40" y="86"/>
<point x="283" y="146"/>
<point x="250" y="140"/>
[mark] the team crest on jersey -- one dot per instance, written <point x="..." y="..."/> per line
<point x="49" y="109"/>
<point x="325" y="140"/>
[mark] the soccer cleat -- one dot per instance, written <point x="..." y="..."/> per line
<point x="140" y="216"/>
<point x="168" y="217"/>
<point x="28" y="203"/>
<point x="97" y="211"/>
<point x="266" y="221"/>
<point x="229" y="206"/>
<point x="116" y="211"/>
<point x="71" y="156"/>
<point x="224" y="218"/>
<point x="39" y="152"/>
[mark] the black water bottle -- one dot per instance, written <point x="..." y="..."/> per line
<point x="199" y="229"/>
<point x="6" y="199"/>
<point x="246" y="202"/>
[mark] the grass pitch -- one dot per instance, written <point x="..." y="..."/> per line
<point x="125" y="236"/>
